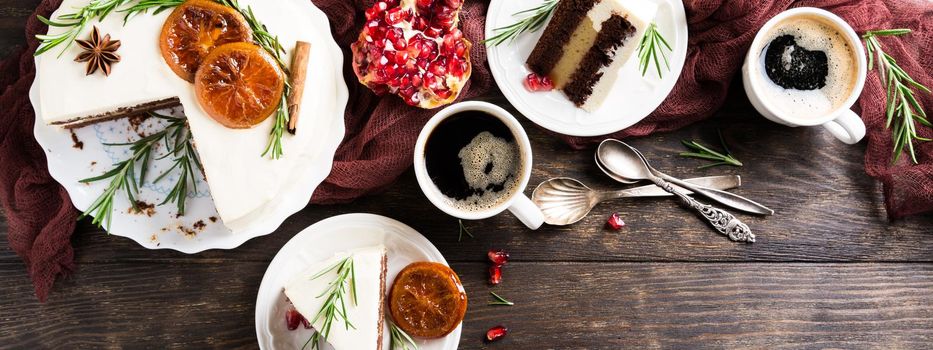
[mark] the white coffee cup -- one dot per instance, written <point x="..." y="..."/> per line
<point x="519" y="204"/>
<point x="841" y="122"/>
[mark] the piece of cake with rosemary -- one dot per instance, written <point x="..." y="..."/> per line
<point x="586" y="43"/>
<point x="230" y="65"/>
<point x="343" y="298"/>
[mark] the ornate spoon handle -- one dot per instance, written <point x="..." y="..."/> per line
<point x="721" y="220"/>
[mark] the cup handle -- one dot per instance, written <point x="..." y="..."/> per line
<point x="847" y="127"/>
<point x="527" y="212"/>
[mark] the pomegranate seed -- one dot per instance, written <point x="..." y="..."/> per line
<point x="496" y="333"/>
<point x="443" y="94"/>
<point x="293" y="319"/>
<point x="419" y="24"/>
<point x="425" y="3"/>
<point x="498" y="256"/>
<point x="534" y="83"/>
<point x="454" y="3"/>
<point x="495" y="274"/>
<point x="432" y="32"/>
<point x="394" y="16"/>
<point x="615" y="222"/>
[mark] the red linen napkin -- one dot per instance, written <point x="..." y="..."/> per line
<point x="381" y="131"/>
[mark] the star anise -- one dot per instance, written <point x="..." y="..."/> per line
<point x="99" y="52"/>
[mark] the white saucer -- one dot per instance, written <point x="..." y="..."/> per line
<point x="632" y="99"/>
<point x="319" y="242"/>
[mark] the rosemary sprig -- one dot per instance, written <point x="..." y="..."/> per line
<point x="76" y="22"/>
<point x="499" y="300"/>
<point x="271" y="44"/>
<point x="538" y="16"/>
<point x="903" y="112"/>
<point x="651" y="46"/>
<point x="186" y="159"/>
<point x="399" y="340"/>
<point x="463" y="230"/>
<point x="143" y="6"/>
<point x="123" y="175"/>
<point x="701" y="151"/>
<point x="335" y="304"/>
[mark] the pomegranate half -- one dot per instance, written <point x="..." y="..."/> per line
<point x="413" y="49"/>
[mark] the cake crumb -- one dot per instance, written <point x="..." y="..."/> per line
<point x="143" y="208"/>
<point x="137" y="121"/>
<point x="76" y="143"/>
<point x="189" y="233"/>
<point x="213" y="218"/>
<point x="199" y="225"/>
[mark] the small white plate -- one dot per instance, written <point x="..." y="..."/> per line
<point x="200" y="228"/>
<point x="632" y="98"/>
<point x="319" y="242"/>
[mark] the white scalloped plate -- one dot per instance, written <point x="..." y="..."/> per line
<point x="194" y="232"/>
<point x="632" y="98"/>
<point x="319" y="242"/>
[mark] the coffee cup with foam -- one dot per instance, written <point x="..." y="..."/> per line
<point x="473" y="160"/>
<point x="806" y="67"/>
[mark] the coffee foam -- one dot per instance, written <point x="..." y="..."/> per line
<point x="503" y="160"/>
<point x="813" y="34"/>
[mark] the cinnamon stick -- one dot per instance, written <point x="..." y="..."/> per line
<point x="299" y="72"/>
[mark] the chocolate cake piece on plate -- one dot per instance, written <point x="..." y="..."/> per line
<point x="586" y="43"/>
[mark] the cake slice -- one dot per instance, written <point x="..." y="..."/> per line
<point x="586" y="43"/>
<point x="367" y="315"/>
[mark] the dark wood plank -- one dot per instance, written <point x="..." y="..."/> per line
<point x="558" y="305"/>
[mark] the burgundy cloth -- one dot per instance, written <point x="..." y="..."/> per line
<point x="381" y="131"/>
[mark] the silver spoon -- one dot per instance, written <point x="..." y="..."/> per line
<point x="611" y="174"/>
<point x="635" y="166"/>
<point x="565" y="201"/>
<point x="626" y="162"/>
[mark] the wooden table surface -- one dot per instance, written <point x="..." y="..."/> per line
<point x="828" y="271"/>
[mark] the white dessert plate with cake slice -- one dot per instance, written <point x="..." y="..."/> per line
<point x="244" y="194"/>
<point x="628" y="99"/>
<point x="317" y="246"/>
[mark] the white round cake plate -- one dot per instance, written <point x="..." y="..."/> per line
<point x="319" y="242"/>
<point x="199" y="229"/>
<point x="632" y="98"/>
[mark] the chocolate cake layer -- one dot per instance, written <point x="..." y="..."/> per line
<point x="614" y="32"/>
<point x="119" y="113"/>
<point x="567" y="17"/>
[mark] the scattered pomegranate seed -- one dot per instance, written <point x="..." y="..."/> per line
<point x="615" y="221"/>
<point x="498" y="256"/>
<point x="495" y="274"/>
<point x="536" y="83"/>
<point x="496" y="333"/>
<point x="293" y="319"/>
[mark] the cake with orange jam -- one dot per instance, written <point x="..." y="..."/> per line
<point x="586" y="43"/>
<point x="161" y="54"/>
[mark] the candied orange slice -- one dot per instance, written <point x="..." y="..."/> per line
<point x="239" y="85"/>
<point x="194" y="29"/>
<point x="427" y="300"/>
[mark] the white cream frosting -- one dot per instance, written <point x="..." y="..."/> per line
<point x="305" y="294"/>
<point x="243" y="184"/>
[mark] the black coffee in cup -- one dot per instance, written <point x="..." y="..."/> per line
<point x="809" y="67"/>
<point x="474" y="160"/>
